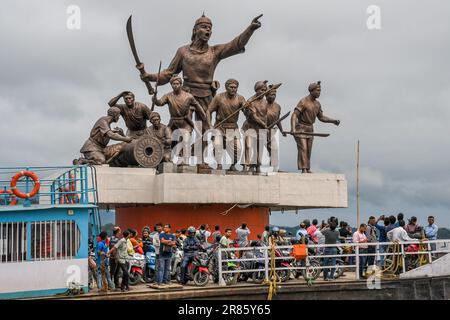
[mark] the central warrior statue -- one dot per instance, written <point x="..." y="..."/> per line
<point x="198" y="61"/>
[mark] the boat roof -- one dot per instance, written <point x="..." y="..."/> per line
<point x="34" y="207"/>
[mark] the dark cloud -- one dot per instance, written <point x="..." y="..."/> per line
<point x="389" y="87"/>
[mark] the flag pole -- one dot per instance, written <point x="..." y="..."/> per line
<point x="357" y="187"/>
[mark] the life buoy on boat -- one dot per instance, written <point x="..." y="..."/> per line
<point x="13" y="197"/>
<point x="25" y="173"/>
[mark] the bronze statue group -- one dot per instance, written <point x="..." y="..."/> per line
<point x="192" y="103"/>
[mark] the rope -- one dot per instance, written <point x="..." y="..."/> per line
<point x="310" y="282"/>
<point x="241" y="206"/>
<point x="423" y="258"/>
<point x="390" y="272"/>
<point x="224" y="213"/>
<point x="274" y="279"/>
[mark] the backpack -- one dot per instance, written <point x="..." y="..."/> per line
<point x="299" y="251"/>
<point x="201" y="236"/>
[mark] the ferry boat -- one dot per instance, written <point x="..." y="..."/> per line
<point x="47" y="215"/>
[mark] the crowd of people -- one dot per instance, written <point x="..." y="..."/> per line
<point x="381" y="230"/>
<point x="115" y="251"/>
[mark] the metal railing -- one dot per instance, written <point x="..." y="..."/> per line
<point x="59" y="185"/>
<point x="357" y="254"/>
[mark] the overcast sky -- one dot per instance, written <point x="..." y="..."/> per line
<point x="390" y="87"/>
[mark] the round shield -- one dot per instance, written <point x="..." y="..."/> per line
<point x="148" y="151"/>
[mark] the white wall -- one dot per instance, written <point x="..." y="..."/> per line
<point x="44" y="275"/>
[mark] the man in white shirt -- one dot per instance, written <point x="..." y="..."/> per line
<point x="399" y="234"/>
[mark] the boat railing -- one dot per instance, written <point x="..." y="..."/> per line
<point x="59" y="185"/>
<point x="393" y="258"/>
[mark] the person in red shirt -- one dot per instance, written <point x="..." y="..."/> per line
<point x="312" y="229"/>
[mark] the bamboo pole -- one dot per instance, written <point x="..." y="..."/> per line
<point x="357" y="187"/>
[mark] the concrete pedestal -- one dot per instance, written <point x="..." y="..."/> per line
<point x="167" y="167"/>
<point x="186" y="169"/>
<point x="142" y="197"/>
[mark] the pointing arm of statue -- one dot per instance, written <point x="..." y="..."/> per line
<point x="255" y="23"/>
<point x="237" y="45"/>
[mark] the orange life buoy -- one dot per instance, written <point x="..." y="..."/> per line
<point x="13" y="197"/>
<point x="24" y="173"/>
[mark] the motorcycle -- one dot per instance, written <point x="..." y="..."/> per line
<point x="177" y="259"/>
<point x="258" y="263"/>
<point x="313" y="264"/>
<point x="198" y="269"/>
<point x="230" y="278"/>
<point x="135" y="268"/>
<point x="92" y="265"/>
<point x="92" y="271"/>
<point x="284" y="274"/>
<point x="150" y="265"/>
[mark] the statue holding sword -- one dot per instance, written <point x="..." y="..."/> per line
<point x="302" y="120"/>
<point x="198" y="61"/>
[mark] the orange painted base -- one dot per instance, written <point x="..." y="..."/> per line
<point x="183" y="216"/>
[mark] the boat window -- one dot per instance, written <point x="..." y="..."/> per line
<point x="13" y="242"/>
<point x="54" y="240"/>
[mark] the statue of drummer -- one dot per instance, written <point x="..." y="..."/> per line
<point x="162" y="133"/>
<point x="302" y="120"/>
<point x="198" y="61"/>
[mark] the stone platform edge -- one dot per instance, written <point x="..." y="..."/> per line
<point x="288" y="190"/>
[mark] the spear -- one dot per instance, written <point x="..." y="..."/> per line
<point x="278" y="121"/>
<point x="156" y="87"/>
<point x="313" y="134"/>
<point x="248" y="103"/>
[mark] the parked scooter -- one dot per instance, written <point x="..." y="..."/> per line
<point x="92" y="265"/>
<point x="92" y="271"/>
<point x="136" y="268"/>
<point x="150" y="265"/>
<point x="177" y="259"/>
